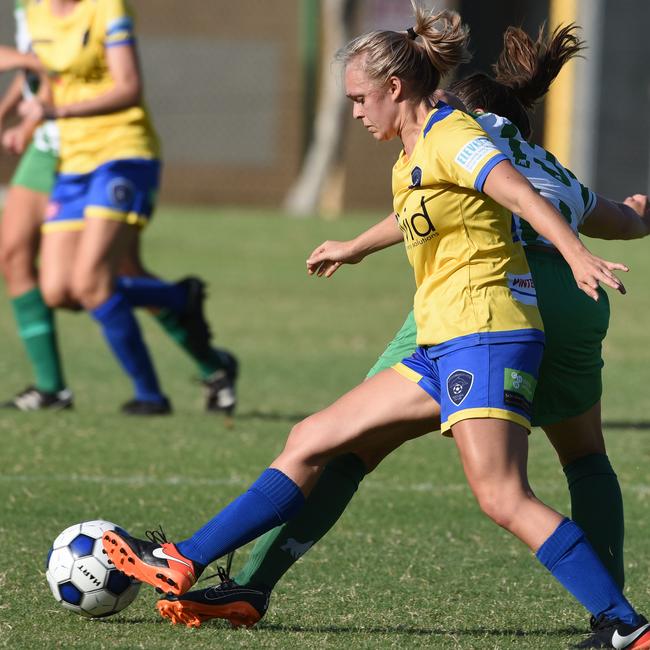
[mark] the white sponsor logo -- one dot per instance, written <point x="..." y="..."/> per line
<point x="161" y="555"/>
<point x="522" y="288"/>
<point x="473" y="152"/>
<point x="295" y="548"/>
<point x="620" y="642"/>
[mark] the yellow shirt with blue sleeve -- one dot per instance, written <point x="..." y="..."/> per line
<point x="473" y="281"/>
<point x="73" y="50"/>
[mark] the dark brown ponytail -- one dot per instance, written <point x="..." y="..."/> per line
<point x="523" y="74"/>
<point x="529" y="67"/>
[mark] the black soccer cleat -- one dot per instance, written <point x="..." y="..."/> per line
<point x="241" y="606"/>
<point x="220" y="394"/>
<point x="193" y="319"/>
<point x="613" y="633"/>
<point x="33" y="399"/>
<point x="145" y="407"/>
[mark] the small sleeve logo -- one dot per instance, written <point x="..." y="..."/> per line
<point x="473" y="152"/>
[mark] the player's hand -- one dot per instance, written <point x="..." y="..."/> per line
<point x="590" y="271"/>
<point x="15" y="140"/>
<point x="326" y="259"/>
<point x="639" y="203"/>
<point x="35" y="110"/>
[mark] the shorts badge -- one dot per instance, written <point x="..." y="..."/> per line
<point x="121" y="193"/>
<point x="459" y="383"/>
<point x="52" y="209"/>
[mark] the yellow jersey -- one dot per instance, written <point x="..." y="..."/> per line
<point x="73" y="50"/>
<point x="472" y="278"/>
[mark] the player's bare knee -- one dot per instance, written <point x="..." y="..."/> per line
<point x="56" y="295"/>
<point x="89" y="293"/>
<point x="15" y="261"/>
<point x="497" y="507"/>
<point x="307" y="442"/>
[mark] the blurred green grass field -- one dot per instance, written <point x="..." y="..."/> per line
<point x="412" y="564"/>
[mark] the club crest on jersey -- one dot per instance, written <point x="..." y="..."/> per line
<point x="416" y="177"/>
<point x="459" y="383"/>
<point x="121" y="192"/>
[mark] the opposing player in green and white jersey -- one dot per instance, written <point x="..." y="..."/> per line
<point x="24" y="209"/>
<point x="553" y="181"/>
<point x="567" y="399"/>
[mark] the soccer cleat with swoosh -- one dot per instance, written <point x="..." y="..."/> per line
<point x="613" y="633"/>
<point x="154" y="561"/>
<point x="242" y="606"/>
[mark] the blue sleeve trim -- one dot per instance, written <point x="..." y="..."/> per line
<point x="444" y="111"/>
<point x="124" y="24"/>
<point x="126" y="41"/>
<point x="487" y="168"/>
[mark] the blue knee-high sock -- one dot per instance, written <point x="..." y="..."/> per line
<point x="273" y="499"/>
<point x="571" y="559"/>
<point x="152" y="292"/>
<point x="122" y="332"/>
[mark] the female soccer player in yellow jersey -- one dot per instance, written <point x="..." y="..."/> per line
<point x="479" y="333"/>
<point x="108" y="178"/>
<point x="567" y="397"/>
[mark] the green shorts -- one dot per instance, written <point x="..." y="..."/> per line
<point x="570" y="381"/>
<point x="570" y="377"/>
<point x="36" y="170"/>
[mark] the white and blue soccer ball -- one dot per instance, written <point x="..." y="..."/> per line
<point x="81" y="576"/>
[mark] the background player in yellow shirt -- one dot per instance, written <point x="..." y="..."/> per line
<point x="23" y="213"/>
<point x="107" y="183"/>
<point x="476" y="378"/>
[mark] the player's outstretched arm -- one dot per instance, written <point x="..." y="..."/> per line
<point x="330" y="255"/>
<point x="126" y="91"/>
<point x="508" y="187"/>
<point x="12" y="59"/>
<point x="613" y="220"/>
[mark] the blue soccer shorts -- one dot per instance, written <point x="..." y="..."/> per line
<point x="489" y="380"/>
<point x="120" y="190"/>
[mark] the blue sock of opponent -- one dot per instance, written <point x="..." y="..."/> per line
<point x="273" y="499"/>
<point x="152" y="292"/>
<point x="571" y="559"/>
<point x="122" y="332"/>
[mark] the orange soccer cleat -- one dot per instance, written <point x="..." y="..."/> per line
<point x="156" y="562"/>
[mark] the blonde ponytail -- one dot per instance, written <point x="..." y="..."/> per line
<point x="444" y="38"/>
<point x="419" y="56"/>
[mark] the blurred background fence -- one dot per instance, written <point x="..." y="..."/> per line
<point x="235" y="87"/>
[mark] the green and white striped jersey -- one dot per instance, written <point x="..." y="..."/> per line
<point x="553" y="181"/>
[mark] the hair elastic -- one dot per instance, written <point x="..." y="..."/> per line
<point x="412" y="34"/>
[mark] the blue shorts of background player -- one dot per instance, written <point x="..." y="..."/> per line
<point x="488" y="380"/>
<point x="121" y="190"/>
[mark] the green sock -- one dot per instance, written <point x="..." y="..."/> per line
<point x="207" y="365"/>
<point x="597" y="507"/>
<point x="37" y="330"/>
<point x="279" y="549"/>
